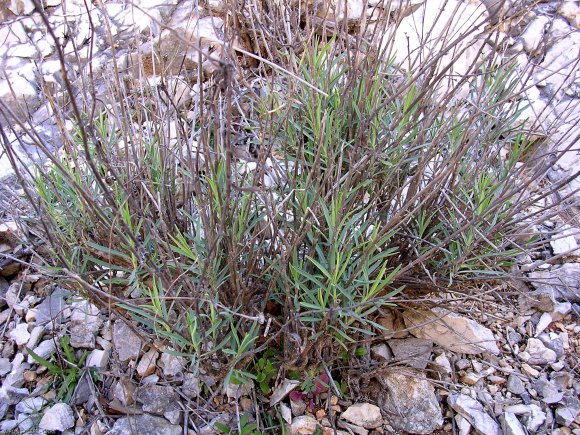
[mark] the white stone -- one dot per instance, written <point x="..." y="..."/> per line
<point x="338" y="10"/>
<point x="303" y="425"/>
<point x="20" y="334"/>
<point x="534" y="33"/>
<point x="534" y="415"/>
<point x="543" y="323"/>
<point x="98" y="359"/>
<point x="282" y="390"/>
<point x="147" y="364"/>
<point x="571" y="12"/>
<point x="172" y="365"/>
<point x="17" y="94"/>
<point x="43" y="350"/>
<point x="511" y="425"/>
<point x="408" y="390"/>
<point x="84" y="325"/>
<point x="451" y="331"/>
<point x="564" y="242"/>
<point x="364" y="414"/>
<point x="473" y="411"/>
<point x="126" y="342"/>
<point x="59" y="417"/>
<point x="21" y="7"/>
<point x="539" y="354"/>
<point x="30" y="405"/>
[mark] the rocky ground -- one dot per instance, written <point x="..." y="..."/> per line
<point x="504" y="362"/>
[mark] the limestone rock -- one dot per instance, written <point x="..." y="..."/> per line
<point x="539" y="354"/>
<point x="147" y="364"/>
<point x="409" y="402"/>
<point x="172" y="365"/>
<point x="416" y="352"/>
<point x="19" y="95"/>
<point x="20" y="334"/>
<point x="511" y="425"/>
<point x="571" y="12"/>
<point x="85" y="324"/>
<point x="144" y="424"/>
<point x="303" y="425"/>
<point x="59" y="417"/>
<point x="157" y="399"/>
<point x="473" y="412"/>
<point x="364" y="414"/>
<point x="126" y="342"/>
<point x="451" y="331"/>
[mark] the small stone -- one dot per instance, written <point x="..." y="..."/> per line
<point x="190" y="387"/>
<point x="84" y="325"/>
<point x="473" y="411"/>
<point x="147" y="364"/>
<point x="442" y="365"/>
<point x="35" y="336"/>
<point x="543" y="323"/>
<point x="352" y="428"/>
<point x="534" y="416"/>
<point x="282" y="390"/>
<point x="43" y="350"/>
<point x="530" y="371"/>
<point x="126" y="342"/>
<point x="124" y="391"/>
<point x="298" y="407"/>
<point x="20" y="334"/>
<point x="172" y="365"/>
<point x="511" y="425"/>
<point x="286" y="413"/>
<point x="471" y="378"/>
<point x="58" y="417"/>
<point x="568" y="412"/>
<point x="364" y="414"/>
<point x="235" y="391"/>
<point x="98" y="359"/>
<point x="51" y="309"/>
<point x="539" y="354"/>
<point x="30" y="405"/>
<point x="462" y="364"/>
<point x="157" y="399"/>
<point x="451" y="331"/>
<point x="5" y="366"/>
<point x="144" y="424"/>
<point x="382" y="352"/>
<point x="553" y="342"/>
<point x="515" y="384"/>
<point x="303" y="425"/>
<point x="409" y="391"/>
<point x="416" y="352"/>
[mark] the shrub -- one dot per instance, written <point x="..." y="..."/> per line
<point x="291" y="216"/>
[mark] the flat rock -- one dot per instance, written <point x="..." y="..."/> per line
<point x="539" y="354"/>
<point x="409" y="402"/>
<point x="364" y="414"/>
<point x="30" y="405"/>
<point x="157" y="399"/>
<point x="58" y="417"/>
<point x="474" y="413"/>
<point x="51" y="308"/>
<point x="568" y="412"/>
<point x="126" y="342"/>
<point x="84" y="325"/>
<point x="511" y="425"/>
<point x="515" y="384"/>
<point x="451" y="331"/>
<point x="20" y="334"/>
<point x="144" y="424"/>
<point x="416" y="352"/>
<point x="303" y="425"/>
<point x="172" y="365"/>
<point x="147" y="364"/>
<point x="533" y="415"/>
<point x="564" y="281"/>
